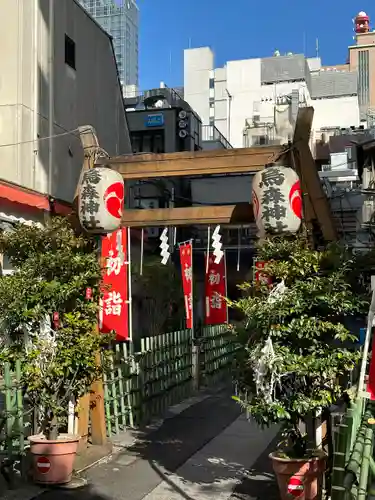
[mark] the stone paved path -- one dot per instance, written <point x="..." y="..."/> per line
<point x="207" y="452"/>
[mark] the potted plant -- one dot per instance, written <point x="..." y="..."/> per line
<point x="296" y="349"/>
<point x="49" y="324"/>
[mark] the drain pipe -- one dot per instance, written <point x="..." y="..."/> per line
<point x="229" y="110"/>
<point x="36" y="94"/>
<point x="51" y="93"/>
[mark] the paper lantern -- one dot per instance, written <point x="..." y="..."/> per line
<point x="101" y="200"/>
<point x="277" y="200"/>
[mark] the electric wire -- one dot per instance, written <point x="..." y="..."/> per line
<point x="74" y="132"/>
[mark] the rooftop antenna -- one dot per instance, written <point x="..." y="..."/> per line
<point x="304" y="43"/>
<point x="189" y="42"/>
<point x="317" y="47"/>
<point x="170" y="63"/>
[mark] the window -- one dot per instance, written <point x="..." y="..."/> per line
<point x="212" y="83"/>
<point x="363" y="78"/>
<point x="70" y="52"/>
<point x="148" y="142"/>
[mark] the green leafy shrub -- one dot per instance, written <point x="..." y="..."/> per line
<point x="312" y="348"/>
<point x="54" y="269"/>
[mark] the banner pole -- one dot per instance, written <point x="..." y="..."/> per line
<point x="226" y="283"/>
<point x="130" y="315"/>
<point x="208" y="247"/>
<point x="195" y="345"/>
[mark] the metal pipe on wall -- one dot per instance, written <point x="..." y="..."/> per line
<point x="36" y="93"/>
<point x="51" y="94"/>
<point x="229" y="110"/>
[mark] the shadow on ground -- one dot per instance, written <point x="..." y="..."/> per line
<point x="186" y="455"/>
<point x="205" y="452"/>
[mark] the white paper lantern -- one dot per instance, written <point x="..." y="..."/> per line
<point x="277" y="200"/>
<point x="101" y="200"/>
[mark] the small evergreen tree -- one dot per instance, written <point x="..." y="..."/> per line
<point x="54" y="268"/>
<point x="296" y="345"/>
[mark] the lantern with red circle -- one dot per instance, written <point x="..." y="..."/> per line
<point x="101" y="200"/>
<point x="277" y="201"/>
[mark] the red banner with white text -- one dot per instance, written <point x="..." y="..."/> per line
<point x="216" y="309"/>
<point x="186" y="259"/>
<point x="114" y="310"/>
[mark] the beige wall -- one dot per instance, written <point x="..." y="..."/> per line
<point x="366" y="41"/>
<point x="91" y="95"/>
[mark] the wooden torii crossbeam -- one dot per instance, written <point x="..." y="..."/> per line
<point x="231" y="161"/>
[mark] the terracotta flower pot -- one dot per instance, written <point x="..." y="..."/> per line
<point x="299" y="478"/>
<point x="53" y="461"/>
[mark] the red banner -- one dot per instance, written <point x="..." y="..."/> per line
<point x="258" y="275"/>
<point x="371" y="375"/>
<point x="216" y="310"/>
<point x="114" y="311"/>
<point x="186" y="259"/>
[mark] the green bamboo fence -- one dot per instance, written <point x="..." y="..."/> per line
<point x="218" y="351"/>
<point x="353" y="464"/>
<point x="12" y="431"/>
<point x="139" y="386"/>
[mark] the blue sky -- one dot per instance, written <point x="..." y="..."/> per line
<point x="240" y="29"/>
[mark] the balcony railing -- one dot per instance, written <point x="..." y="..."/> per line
<point x="211" y="133"/>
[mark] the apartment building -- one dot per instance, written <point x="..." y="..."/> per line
<point x="59" y="73"/>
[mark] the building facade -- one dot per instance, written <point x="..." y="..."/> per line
<point x="60" y="74"/>
<point x="120" y="20"/>
<point x="160" y="121"/>
<point x="362" y="60"/>
<point x="255" y="101"/>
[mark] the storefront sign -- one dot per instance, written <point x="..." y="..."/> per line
<point x="114" y="311"/>
<point x="216" y="310"/>
<point x="156" y="120"/>
<point x="186" y="259"/>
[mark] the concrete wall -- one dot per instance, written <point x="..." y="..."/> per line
<point x="88" y="95"/>
<point x="221" y="190"/>
<point x="198" y="69"/>
<point x="338" y="112"/>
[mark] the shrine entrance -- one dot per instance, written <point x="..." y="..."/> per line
<point x="170" y="365"/>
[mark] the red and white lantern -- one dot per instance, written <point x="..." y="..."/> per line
<point x="277" y="200"/>
<point x="101" y="200"/>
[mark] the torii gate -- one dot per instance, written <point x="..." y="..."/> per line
<point x="297" y="154"/>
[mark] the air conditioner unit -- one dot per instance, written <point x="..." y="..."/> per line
<point x="368" y="210"/>
<point x="368" y="180"/>
<point x="326" y="168"/>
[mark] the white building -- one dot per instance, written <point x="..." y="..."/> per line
<point x="58" y="72"/>
<point x="255" y="101"/>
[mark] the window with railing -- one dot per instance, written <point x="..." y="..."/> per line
<point x="212" y="133"/>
